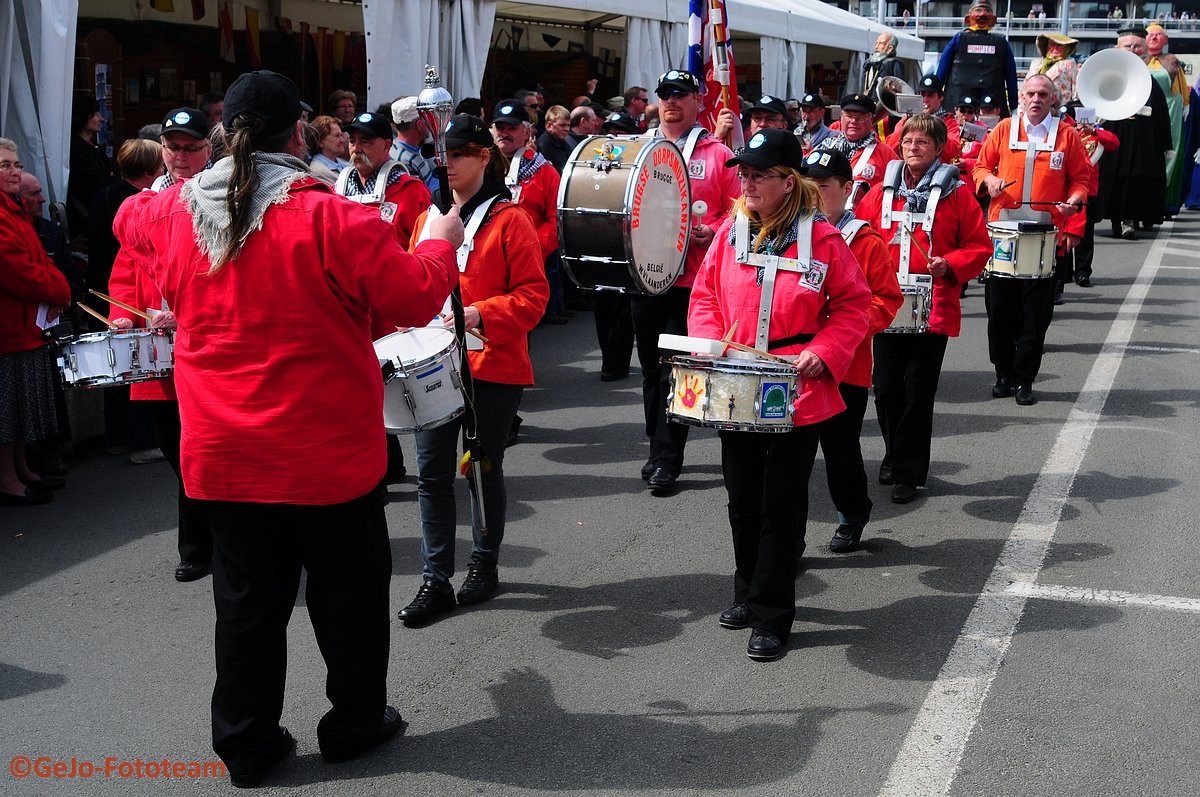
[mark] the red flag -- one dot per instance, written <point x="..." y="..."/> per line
<point x="253" y="49"/>
<point x="225" y="29"/>
<point x="710" y="56"/>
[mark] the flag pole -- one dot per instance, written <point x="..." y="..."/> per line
<point x="716" y="18"/>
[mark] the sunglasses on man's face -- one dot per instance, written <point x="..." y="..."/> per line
<point x="672" y="94"/>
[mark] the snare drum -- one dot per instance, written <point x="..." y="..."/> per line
<point x="117" y="357"/>
<point x="913" y="315"/>
<point x="422" y="386"/>
<point x="734" y="394"/>
<point x="1021" y="249"/>
<point x="624" y="214"/>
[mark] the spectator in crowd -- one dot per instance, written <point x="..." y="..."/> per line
<point x="411" y="134"/>
<point x="213" y="104"/>
<point x="90" y="168"/>
<point x="555" y="144"/>
<point x="636" y="99"/>
<point x="327" y="162"/>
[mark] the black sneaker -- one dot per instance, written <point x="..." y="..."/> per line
<point x="846" y="538"/>
<point x="480" y="584"/>
<point x="434" y="598"/>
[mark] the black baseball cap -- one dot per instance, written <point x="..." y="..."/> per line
<point x="932" y="82"/>
<point x="264" y="94"/>
<point x="988" y="101"/>
<point x="828" y="163"/>
<point x="192" y="121"/>
<point x="967" y="102"/>
<point x="768" y="103"/>
<point x="771" y="147"/>
<point x="621" y="122"/>
<point x="812" y="101"/>
<point x="858" y="102"/>
<point x="466" y="129"/>
<point x="679" y="79"/>
<point x="375" y="125"/>
<point x="510" y="112"/>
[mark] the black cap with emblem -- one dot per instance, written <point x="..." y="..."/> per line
<point x="812" y="101"/>
<point x="932" y="82"/>
<point x="192" y="121"/>
<point x="510" y="112"/>
<point x="768" y="103"/>
<point x="619" y="123"/>
<point x="679" y="80"/>
<point x="822" y="163"/>
<point x="863" y="103"/>
<point x="375" y="125"/>
<point x="771" y="147"/>
<point x="466" y="129"/>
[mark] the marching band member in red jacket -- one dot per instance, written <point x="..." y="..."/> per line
<point x="272" y="280"/>
<point x="504" y="295"/>
<point x="938" y="241"/>
<point x="818" y="313"/>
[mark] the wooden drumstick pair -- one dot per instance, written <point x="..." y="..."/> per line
<point x="727" y="340"/>
<point x="110" y="300"/>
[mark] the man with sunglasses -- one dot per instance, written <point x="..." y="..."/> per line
<point x="186" y="149"/>
<point x="715" y="184"/>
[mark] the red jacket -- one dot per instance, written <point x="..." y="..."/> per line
<point x="837" y="315"/>
<point x="280" y="393"/>
<point x="717" y="185"/>
<point x="872" y="172"/>
<point x="539" y="198"/>
<point x="875" y="261"/>
<point x="411" y="197"/>
<point x="132" y="286"/>
<point x="959" y="235"/>
<point x="27" y="279"/>
<point x="506" y="281"/>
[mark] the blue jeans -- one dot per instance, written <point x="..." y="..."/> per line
<point x="494" y="405"/>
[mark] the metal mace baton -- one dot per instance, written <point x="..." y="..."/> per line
<point x="436" y="106"/>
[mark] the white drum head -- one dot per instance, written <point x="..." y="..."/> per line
<point x="415" y="346"/>
<point x="660" y="206"/>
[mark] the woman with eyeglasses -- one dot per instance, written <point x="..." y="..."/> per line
<point x="934" y="225"/>
<point x="799" y="273"/>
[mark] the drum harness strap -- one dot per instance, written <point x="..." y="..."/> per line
<point x="512" y="180"/>
<point x="771" y="265"/>
<point x="864" y="160"/>
<point x="689" y="141"/>
<point x="375" y="197"/>
<point x="1031" y="148"/>
<point x="945" y="177"/>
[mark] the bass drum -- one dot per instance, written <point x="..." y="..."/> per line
<point x="624" y="214"/>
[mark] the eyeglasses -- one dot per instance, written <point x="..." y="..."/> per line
<point x="672" y="94"/>
<point x="533" y="106"/>
<point x="643" y="99"/>
<point x="756" y="178"/>
<point x="11" y="166"/>
<point x="175" y="149"/>
<point x="916" y="143"/>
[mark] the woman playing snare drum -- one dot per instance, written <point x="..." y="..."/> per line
<point x="817" y="307"/>
<point x="504" y="295"/>
<point x="937" y="237"/>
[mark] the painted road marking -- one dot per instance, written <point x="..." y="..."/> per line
<point x="1057" y="592"/>
<point x="930" y="755"/>
<point x="1172" y="349"/>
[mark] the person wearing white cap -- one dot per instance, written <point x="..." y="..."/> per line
<point x="411" y="134"/>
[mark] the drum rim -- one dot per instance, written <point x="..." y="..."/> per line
<point x="403" y="367"/>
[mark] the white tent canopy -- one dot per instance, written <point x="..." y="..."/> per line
<point x="37" y="41"/>
<point x="404" y="35"/>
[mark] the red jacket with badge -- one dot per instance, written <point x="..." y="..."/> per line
<point x="959" y="235"/>
<point x="280" y="393"/>
<point x="873" y="258"/>
<point x="717" y="186"/>
<point x="411" y="197"/>
<point x="539" y="198"/>
<point x="836" y="313"/>
<point x="872" y="171"/>
<point x="27" y="280"/>
<point x="505" y="279"/>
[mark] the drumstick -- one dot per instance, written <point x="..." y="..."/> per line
<point x="120" y="304"/>
<point x="912" y="236"/>
<point x="92" y="312"/>
<point x="475" y="334"/>
<point x="759" y="352"/>
<point x="729" y="335"/>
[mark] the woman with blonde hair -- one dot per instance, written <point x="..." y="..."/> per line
<point x="796" y="270"/>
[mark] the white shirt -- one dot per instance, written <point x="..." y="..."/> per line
<point x="1039" y="132"/>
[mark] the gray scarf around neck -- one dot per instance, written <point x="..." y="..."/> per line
<point x="205" y="196"/>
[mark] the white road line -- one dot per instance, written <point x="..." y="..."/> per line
<point x="1079" y="595"/>
<point x="1182" y="268"/>
<point x="930" y="755"/>
<point x="1172" y="250"/>
<point x="1174" y="349"/>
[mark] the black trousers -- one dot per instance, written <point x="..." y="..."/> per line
<point x="195" y="537"/>
<point x="907" y="370"/>
<point x="1077" y="263"/>
<point x="260" y="552"/>
<point x="842" y="448"/>
<point x="614" y="331"/>
<point x="1019" y="313"/>
<point x="766" y="478"/>
<point x="654" y="316"/>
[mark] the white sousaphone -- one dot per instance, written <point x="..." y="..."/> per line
<point x="1114" y="82"/>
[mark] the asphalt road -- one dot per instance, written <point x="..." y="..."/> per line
<point x="1028" y="627"/>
